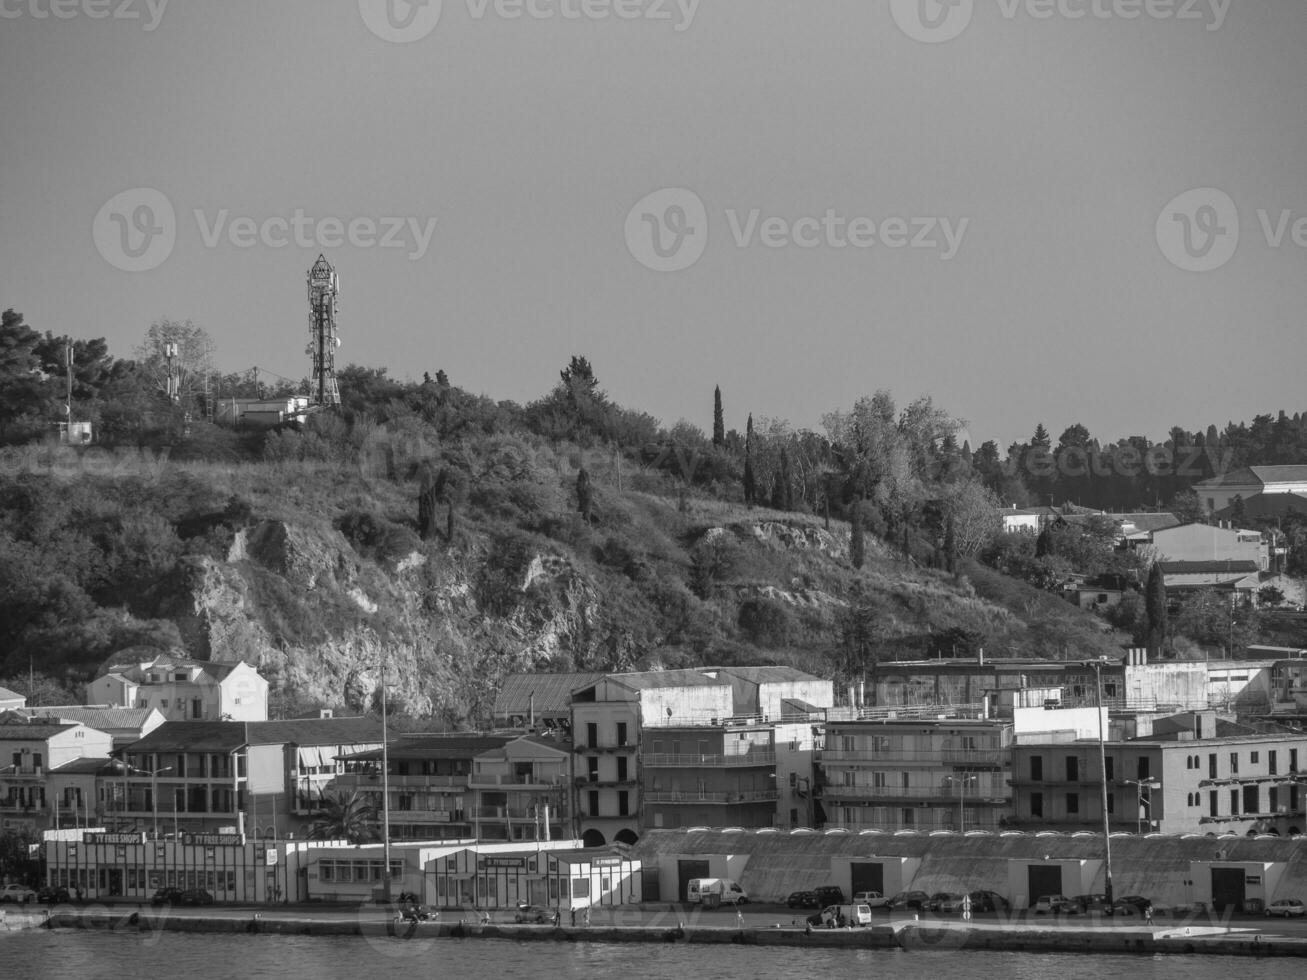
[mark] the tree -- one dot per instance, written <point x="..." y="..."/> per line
<point x="1270" y="595"/>
<point x="23" y="389"/>
<point x="1238" y="512"/>
<point x="718" y="420"/>
<point x="181" y="375"/>
<point x="1187" y="508"/>
<point x="750" y="480"/>
<point x="1040" y="438"/>
<point x="971" y="518"/>
<point x="584" y="494"/>
<point x="1155" y="608"/>
<point x="857" y="546"/>
<point x="346" y="816"/>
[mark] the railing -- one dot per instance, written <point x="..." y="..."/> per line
<point x="751" y="796"/>
<point x="987" y="756"/>
<point x="896" y="712"/>
<point x="974" y="795"/>
<point x="369" y="780"/>
<point x="428" y="816"/>
<point x="664" y="759"/>
<point x="504" y="813"/>
<point x="512" y="779"/>
<point x="922" y="821"/>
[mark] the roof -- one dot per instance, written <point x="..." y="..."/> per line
<point x="8" y="695"/>
<point x="35" y="731"/>
<point x="119" y="664"/>
<point x="457" y="745"/>
<point x="1267" y="505"/>
<point x="174" y="736"/>
<point x="553" y="692"/>
<point x="1149" y="522"/>
<point x="1244" y="566"/>
<point x="86" y="766"/>
<point x="100" y="718"/>
<point x="654" y="679"/>
<point x="770" y="674"/>
<point x="314" y="731"/>
<point x="1251" y="476"/>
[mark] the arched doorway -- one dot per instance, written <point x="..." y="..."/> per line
<point x="593" y="838"/>
<point x="626" y="836"/>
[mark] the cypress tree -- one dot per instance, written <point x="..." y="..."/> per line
<point x="428" y="499"/>
<point x="750" y="481"/>
<point x="857" y="546"/>
<point x="1155" y="607"/>
<point x="718" y="421"/>
<point x="584" y="494"/>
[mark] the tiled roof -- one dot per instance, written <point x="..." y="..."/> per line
<point x="88" y="766"/>
<point x="314" y="731"/>
<point x="8" y="695"/>
<point x="768" y="674"/>
<point x="1227" y="567"/>
<point x="100" y="718"/>
<point x="1280" y="474"/>
<point x="34" y="731"/>
<point x="553" y="692"/>
<point x="184" y="736"/>
<point x="651" y="679"/>
<point x="459" y="745"/>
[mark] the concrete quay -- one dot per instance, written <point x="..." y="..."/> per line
<point x="1196" y="937"/>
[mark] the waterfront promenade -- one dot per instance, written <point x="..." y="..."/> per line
<point x="758" y="925"/>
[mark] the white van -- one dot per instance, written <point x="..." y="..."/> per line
<point x="728" y="891"/>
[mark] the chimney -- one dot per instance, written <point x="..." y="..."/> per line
<point x="981" y="653"/>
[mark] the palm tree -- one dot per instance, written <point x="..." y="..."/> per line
<point x="349" y="816"/>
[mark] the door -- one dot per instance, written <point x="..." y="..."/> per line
<point x="867" y="877"/>
<point x="1043" y="879"/>
<point x="1227" y="889"/>
<point x="685" y="870"/>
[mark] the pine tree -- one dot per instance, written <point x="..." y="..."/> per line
<point x="1040" y="438"/>
<point x="718" y="421"/>
<point x="1155" y="608"/>
<point x="857" y="546"/>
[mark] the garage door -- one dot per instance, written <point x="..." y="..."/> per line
<point x="685" y="870"/>
<point x="868" y="877"/>
<point x="1227" y="889"/>
<point x="1043" y="879"/>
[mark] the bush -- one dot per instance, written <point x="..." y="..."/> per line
<point x="375" y="537"/>
<point x="766" y="622"/>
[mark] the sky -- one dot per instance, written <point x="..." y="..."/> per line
<point x="1052" y="211"/>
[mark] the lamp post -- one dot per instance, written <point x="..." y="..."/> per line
<point x="962" y="797"/>
<point x="385" y="792"/>
<point x="1097" y="666"/>
<point x="1140" y="785"/>
<point x="154" y="795"/>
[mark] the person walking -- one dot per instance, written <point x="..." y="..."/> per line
<point x="574" y="918"/>
<point x="1148" y="913"/>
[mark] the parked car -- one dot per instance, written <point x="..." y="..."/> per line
<point x="52" y="894"/>
<point x="871" y="899"/>
<point x="803" y="900"/>
<point x="830" y="895"/>
<point x="953" y="905"/>
<point x="1053" y="905"/>
<point x="195" y="896"/>
<point x="17" y="893"/>
<point x="166" y="896"/>
<point x="532" y="913"/>
<point x="1096" y="902"/>
<point x="1131" y="905"/>
<point x="914" y="900"/>
<point x="987" y="901"/>
<point x="936" y="901"/>
<point x="1287" y="907"/>
<point x="831" y="917"/>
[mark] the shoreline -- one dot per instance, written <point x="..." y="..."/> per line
<point x="908" y="935"/>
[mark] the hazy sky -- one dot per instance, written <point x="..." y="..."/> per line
<point x="985" y="218"/>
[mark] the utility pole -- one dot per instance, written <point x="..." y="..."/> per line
<point x="1102" y="766"/>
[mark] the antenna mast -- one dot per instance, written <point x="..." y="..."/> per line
<point x="324" y="286"/>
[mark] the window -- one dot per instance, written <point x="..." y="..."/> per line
<point x="1234" y="802"/>
<point x="1272" y="763"/>
<point x="1036" y="804"/>
<point x="879" y="780"/>
<point x="1234" y="763"/>
<point x="1111" y="803"/>
<point x="1211" y="765"/>
<point x="1110" y="772"/>
<point x="1293" y="760"/>
<point x="909" y="817"/>
<point x="1213" y="804"/>
<point x="592" y="734"/>
<point x="1072" y="769"/>
<point x="592" y="768"/>
<point x="594" y="803"/>
<point x="1141" y="768"/>
<point x="621" y="769"/>
<point x="1037" y="768"/>
<point x="1254" y="757"/>
<point x="621" y="733"/>
<point x="1073" y="803"/>
<point x="623" y="804"/>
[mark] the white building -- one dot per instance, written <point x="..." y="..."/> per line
<point x="183" y="689"/>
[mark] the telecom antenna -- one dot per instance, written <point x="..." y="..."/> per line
<point x="324" y="286"/>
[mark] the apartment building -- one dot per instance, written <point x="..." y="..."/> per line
<point x="709" y="776"/>
<point x="31" y="752"/>
<point x="1195" y="775"/>
<point x="922" y="774"/>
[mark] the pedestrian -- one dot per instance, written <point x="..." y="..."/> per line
<point x="1148" y="913"/>
<point x="587" y="917"/>
<point x="573" y="917"/>
<point x="739" y="916"/>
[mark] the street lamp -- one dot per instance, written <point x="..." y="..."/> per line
<point x="962" y="797"/>
<point x="1140" y="785"/>
<point x="385" y="792"/>
<point x="1097" y="667"/>
<point x="154" y="793"/>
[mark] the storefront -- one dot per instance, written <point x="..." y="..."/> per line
<point x="566" y="878"/>
<point x="103" y="865"/>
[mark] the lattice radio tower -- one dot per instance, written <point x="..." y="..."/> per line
<point x="324" y="286"/>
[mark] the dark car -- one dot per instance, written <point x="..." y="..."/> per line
<point x="938" y="900"/>
<point x="1131" y="905"/>
<point x="195" y="896"/>
<point x="52" y="893"/>
<point x="1096" y="902"/>
<point x="532" y="913"/>
<point x="803" y="900"/>
<point x="167" y="896"/>
<point x="914" y="900"/>
<point x="829" y="895"/>
<point x="987" y="901"/>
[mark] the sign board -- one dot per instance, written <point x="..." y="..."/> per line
<point x="94" y="838"/>
<point x="213" y="840"/>
<point x="606" y="862"/>
<point x="1252" y="879"/>
<point x="502" y="862"/>
<point x="270" y="855"/>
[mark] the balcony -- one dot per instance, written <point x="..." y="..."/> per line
<point x="505" y="813"/>
<point x="973" y="795"/>
<point x="372" y="780"/>
<point x="428" y="816"/>
<point x="493" y="780"/>
<point x="608" y="748"/>
<point x="696" y="761"/>
<point x="749" y="796"/>
<point x="989" y="756"/>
